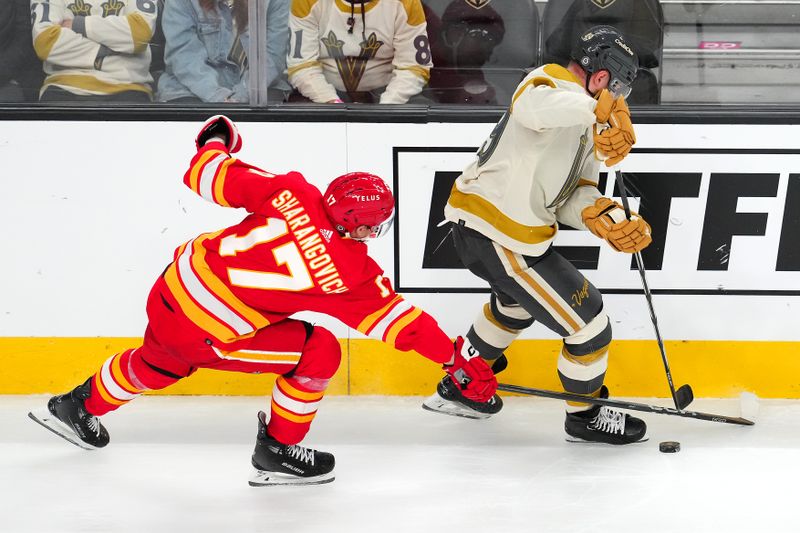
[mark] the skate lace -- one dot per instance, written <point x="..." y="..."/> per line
<point x="609" y="421"/>
<point x="305" y="455"/>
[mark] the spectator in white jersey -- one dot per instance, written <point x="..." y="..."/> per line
<point x="95" y="51"/>
<point x="366" y="51"/>
<point x="539" y="168"/>
<point x="207" y="46"/>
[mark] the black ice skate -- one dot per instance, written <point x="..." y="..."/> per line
<point x="604" y="424"/>
<point x="449" y="400"/>
<point x="279" y="464"/>
<point x="67" y="417"/>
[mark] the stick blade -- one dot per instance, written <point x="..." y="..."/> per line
<point x="748" y="403"/>
<point x="684" y="396"/>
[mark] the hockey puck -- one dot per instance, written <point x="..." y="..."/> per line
<point x="669" y="446"/>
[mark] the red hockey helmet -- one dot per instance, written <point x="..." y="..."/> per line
<point x="360" y="199"/>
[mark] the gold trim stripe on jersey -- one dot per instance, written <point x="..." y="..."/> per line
<point x="483" y="209"/>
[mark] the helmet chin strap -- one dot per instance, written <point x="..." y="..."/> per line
<point x="588" y="81"/>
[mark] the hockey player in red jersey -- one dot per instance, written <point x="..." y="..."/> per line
<point x="225" y="303"/>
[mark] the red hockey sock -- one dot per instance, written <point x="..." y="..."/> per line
<point x="114" y="385"/>
<point x="294" y="404"/>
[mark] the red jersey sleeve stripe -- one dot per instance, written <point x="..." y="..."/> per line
<point x="369" y="322"/>
<point x="192" y="177"/>
<point x="219" y="183"/>
<point x="205" y="185"/>
<point x="400" y="324"/>
<point x="382" y="326"/>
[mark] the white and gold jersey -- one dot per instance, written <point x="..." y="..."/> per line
<point x="334" y="46"/>
<point x="536" y="168"/>
<point x="105" y="48"/>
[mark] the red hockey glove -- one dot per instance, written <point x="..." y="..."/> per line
<point x="473" y="376"/>
<point x="220" y="126"/>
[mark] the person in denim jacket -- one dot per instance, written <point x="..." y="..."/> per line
<point x="207" y="42"/>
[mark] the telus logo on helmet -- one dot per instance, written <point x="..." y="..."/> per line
<point x="360" y="199"/>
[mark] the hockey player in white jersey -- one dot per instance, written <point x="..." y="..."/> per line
<point x="540" y="167"/>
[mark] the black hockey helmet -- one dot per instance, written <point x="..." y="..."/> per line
<point x="605" y="48"/>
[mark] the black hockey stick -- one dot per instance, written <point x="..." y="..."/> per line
<point x="621" y="404"/>
<point x="684" y="395"/>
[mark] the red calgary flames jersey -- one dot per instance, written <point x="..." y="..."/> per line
<point x="284" y="257"/>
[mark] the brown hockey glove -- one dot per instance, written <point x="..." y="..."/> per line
<point x="614" y="142"/>
<point x="605" y="102"/>
<point x="607" y="220"/>
<point x="610" y="155"/>
<point x="473" y="376"/>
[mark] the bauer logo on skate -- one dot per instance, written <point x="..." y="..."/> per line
<point x="723" y="222"/>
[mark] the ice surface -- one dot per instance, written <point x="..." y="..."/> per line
<point x="181" y="464"/>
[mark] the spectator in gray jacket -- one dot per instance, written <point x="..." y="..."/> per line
<point x="207" y="43"/>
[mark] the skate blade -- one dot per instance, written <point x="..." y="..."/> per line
<point x="437" y="404"/>
<point x="263" y="478"/>
<point x="46" y="419"/>
<point x="576" y="440"/>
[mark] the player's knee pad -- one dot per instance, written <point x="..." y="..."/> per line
<point x="321" y="356"/>
<point x="591" y="338"/>
<point x="583" y="361"/>
<point x="509" y="313"/>
<point x="497" y="325"/>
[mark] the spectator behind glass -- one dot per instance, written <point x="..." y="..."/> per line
<point x="20" y="70"/>
<point x="364" y="51"/>
<point x="95" y="51"/>
<point x="206" y="50"/>
<point x="464" y="44"/>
